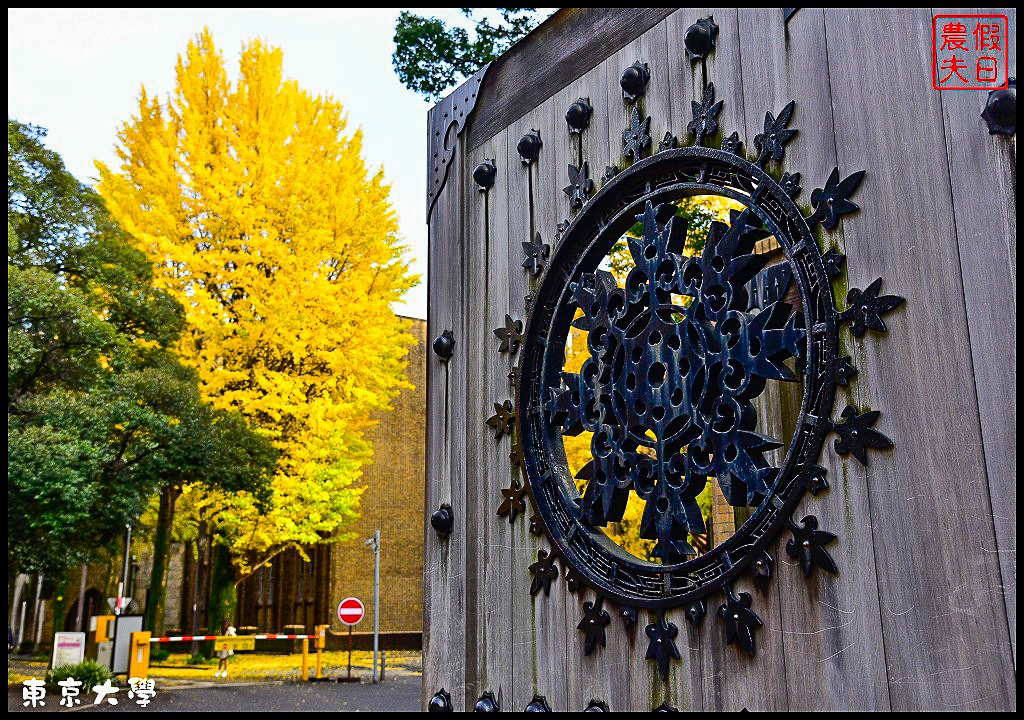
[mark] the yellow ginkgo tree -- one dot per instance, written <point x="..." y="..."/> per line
<point x="262" y="219"/>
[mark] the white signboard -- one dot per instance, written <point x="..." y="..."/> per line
<point x="68" y="648"/>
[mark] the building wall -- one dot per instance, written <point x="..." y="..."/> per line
<point x="392" y="503"/>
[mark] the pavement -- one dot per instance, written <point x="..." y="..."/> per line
<point x="400" y="692"/>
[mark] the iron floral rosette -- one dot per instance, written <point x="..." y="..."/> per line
<point x="677" y="357"/>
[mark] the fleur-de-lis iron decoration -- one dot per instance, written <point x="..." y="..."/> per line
<point x="704" y="112"/>
<point x="595" y="620"/>
<point x="807" y="546"/>
<point x="537" y="252"/>
<point x="771" y="143"/>
<point x="580" y="185"/>
<point x="740" y="620"/>
<point x="636" y="138"/>
<point x="544" y="573"/>
<point x="502" y="419"/>
<point x="510" y="335"/>
<point x="513" y="502"/>
<point x="669" y="391"/>
<point x="661" y="646"/>
<point x="668" y="142"/>
<point x="865" y="308"/>
<point x="734" y="145"/>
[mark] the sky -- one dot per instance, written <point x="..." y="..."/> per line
<point x="78" y="73"/>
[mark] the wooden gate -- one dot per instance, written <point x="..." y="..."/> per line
<point x="922" y="612"/>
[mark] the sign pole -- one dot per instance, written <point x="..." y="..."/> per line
<point x="376" y="601"/>
<point x="350" y="612"/>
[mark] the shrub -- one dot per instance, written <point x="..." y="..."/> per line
<point x="88" y="672"/>
<point x="158" y="656"/>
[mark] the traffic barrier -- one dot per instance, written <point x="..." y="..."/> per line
<point x="139" y="661"/>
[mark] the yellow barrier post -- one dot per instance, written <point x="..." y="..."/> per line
<point x="305" y="659"/>
<point x="138" y="660"/>
<point x="321" y="642"/>
<point x="104" y="624"/>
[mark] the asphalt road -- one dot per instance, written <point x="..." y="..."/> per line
<point x="397" y="694"/>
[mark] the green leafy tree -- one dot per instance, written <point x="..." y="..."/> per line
<point x="431" y="56"/>
<point x="101" y="414"/>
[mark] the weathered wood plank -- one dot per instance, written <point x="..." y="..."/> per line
<point x="531" y="621"/>
<point x="830" y="624"/>
<point x="942" y="611"/>
<point x="982" y="169"/>
<point x="444" y="567"/>
<point x="561" y="49"/>
<point x="489" y="645"/>
<point x="587" y="677"/>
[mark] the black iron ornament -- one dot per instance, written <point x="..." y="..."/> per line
<point x="636" y="138"/>
<point x="634" y="80"/>
<point x="699" y="39"/>
<point x="510" y="335"/>
<point x="529" y="146"/>
<point x="704" y="113"/>
<point x="661" y="646"/>
<point x="1000" y="113"/>
<point x="484" y="174"/>
<point x="487" y="703"/>
<point x="595" y="620"/>
<point x="577" y="117"/>
<point x="513" y="501"/>
<point x="677" y="357"/>
<point x="444" y="345"/>
<point x="443" y="520"/>
<point x="740" y="621"/>
<point x="538" y="704"/>
<point x="441" y="702"/>
<point x="596" y="706"/>
<point x="580" y="185"/>
<point x="544" y="573"/>
<point x="537" y="252"/>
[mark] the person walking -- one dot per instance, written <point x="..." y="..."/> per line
<point x="222" y="666"/>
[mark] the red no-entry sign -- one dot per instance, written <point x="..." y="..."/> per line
<point x="351" y="611"/>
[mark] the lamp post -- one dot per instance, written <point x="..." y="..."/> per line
<point x="374" y="542"/>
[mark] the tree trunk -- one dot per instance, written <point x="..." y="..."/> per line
<point x="161" y="544"/>
<point x="200" y="583"/>
<point x="223" y="594"/>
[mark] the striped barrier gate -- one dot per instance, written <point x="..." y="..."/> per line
<point x="141" y="641"/>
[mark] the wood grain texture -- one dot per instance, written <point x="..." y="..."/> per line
<point x="831" y="625"/>
<point x="922" y="614"/>
<point x="559" y="50"/>
<point x="445" y="563"/>
<point x="939" y="584"/>
<point x="982" y="170"/>
<point x="531" y="642"/>
<point x="489" y="635"/>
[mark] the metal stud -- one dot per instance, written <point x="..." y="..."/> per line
<point x="634" y="80"/>
<point x="444" y="345"/>
<point x="484" y="174"/>
<point x="538" y="704"/>
<point x="578" y="115"/>
<point x="1000" y="113"/>
<point x="443" y="520"/>
<point x="441" y="702"/>
<point x="486" y="703"/>
<point x="699" y="39"/>
<point x="529" y="146"/>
